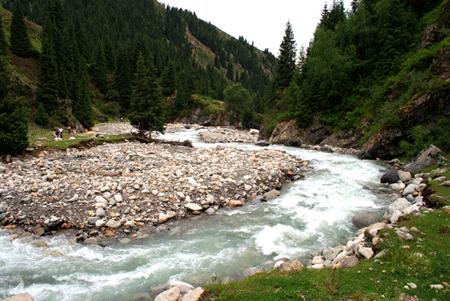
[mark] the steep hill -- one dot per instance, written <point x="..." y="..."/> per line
<point x="374" y="78"/>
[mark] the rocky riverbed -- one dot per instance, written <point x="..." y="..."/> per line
<point x="110" y="191"/>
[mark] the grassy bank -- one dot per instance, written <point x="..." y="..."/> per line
<point x="43" y="138"/>
<point x="423" y="261"/>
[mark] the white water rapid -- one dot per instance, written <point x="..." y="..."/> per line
<point x="311" y="214"/>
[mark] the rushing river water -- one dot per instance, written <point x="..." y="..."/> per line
<point x="311" y="214"/>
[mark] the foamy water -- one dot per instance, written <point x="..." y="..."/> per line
<point x="311" y="214"/>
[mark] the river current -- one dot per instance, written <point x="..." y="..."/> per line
<point x="311" y="214"/>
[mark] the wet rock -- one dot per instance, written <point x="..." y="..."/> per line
<point x="235" y="204"/>
<point x="182" y="286"/>
<point x="194" y="295"/>
<point x="271" y="195"/>
<point x="210" y="211"/>
<point x="390" y="177"/>
<point x="91" y="241"/>
<point x="365" y="218"/>
<point x="20" y="297"/>
<point x="172" y="294"/>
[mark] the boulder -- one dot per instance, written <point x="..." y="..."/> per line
<point x="399" y="186"/>
<point x="194" y="295"/>
<point x="292" y="266"/>
<point x="427" y="158"/>
<point x="236" y="203"/>
<point x="172" y="294"/>
<point x="399" y="204"/>
<point x="182" y="286"/>
<point x="271" y="195"/>
<point x="390" y="177"/>
<point x="20" y="297"/>
<point x="365" y="218"/>
<point x="395" y="216"/>
<point x="411" y="188"/>
<point x="373" y="230"/>
<point x="349" y="262"/>
<point x="366" y="252"/>
<point x="317" y="260"/>
<point x="405" y="176"/>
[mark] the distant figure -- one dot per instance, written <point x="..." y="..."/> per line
<point x="58" y="134"/>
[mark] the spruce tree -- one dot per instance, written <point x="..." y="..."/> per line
<point x="20" y="41"/>
<point x="3" y="44"/>
<point x="47" y="92"/>
<point x="81" y="104"/>
<point x="147" y="112"/>
<point x="286" y="60"/>
<point x="168" y="81"/>
<point x="99" y="71"/>
<point x="13" y="121"/>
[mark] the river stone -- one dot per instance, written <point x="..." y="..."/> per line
<point x="193" y="207"/>
<point x="390" y="177"/>
<point x="404" y="176"/>
<point x="236" y="203"/>
<point x="398" y="186"/>
<point x="101" y="200"/>
<point x="113" y="224"/>
<point x="195" y="295"/>
<point x="172" y="294"/>
<point x="20" y="297"/>
<point x="271" y="195"/>
<point x="90" y="241"/>
<point x="366" y="252"/>
<point x="395" y="216"/>
<point x="100" y="212"/>
<point x="411" y="188"/>
<point x="411" y="209"/>
<point x="365" y="218"/>
<point x="317" y="260"/>
<point x="182" y="286"/>
<point x="349" y="262"/>
<point x="211" y="211"/>
<point x="373" y="230"/>
<point x="399" y="204"/>
<point x="100" y="223"/>
<point x="291" y="266"/>
<point x="331" y="253"/>
<point x="118" y="198"/>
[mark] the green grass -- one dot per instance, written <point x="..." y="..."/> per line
<point x="371" y="280"/>
<point x="41" y="137"/>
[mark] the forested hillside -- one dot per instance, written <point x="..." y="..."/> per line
<point x="76" y="61"/>
<point x="376" y="76"/>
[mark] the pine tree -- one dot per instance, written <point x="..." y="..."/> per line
<point x="20" y="41"/>
<point x="81" y="105"/>
<point x="147" y="112"/>
<point x="286" y="60"/>
<point x="47" y="92"/>
<point x="168" y="81"/>
<point x="99" y="71"/>
<point x="13" y="122"/>
<point x="230" y="71"/>
<point x="3" y="45"/>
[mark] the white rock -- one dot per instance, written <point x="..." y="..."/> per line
<point x="100" y="223"/>
<point x="113" y="224"/>
<point x="317" y="260"/>
<point x="398" y="186"/>
<point x="101" y="200"/>
<point x="193" y="207"/>
<point x="437" y="286"/>
<point x="195" y="295"/>
<point x="100" y="212"/>
<point x="366" y="252"/>
<point x="399" y="204"/>
<point x="172" y="294"/>
<point x="182" y="286"/>
<point x="411" y="209"/>
<point x="118" y="198"/>
<point x="395" y="216"/>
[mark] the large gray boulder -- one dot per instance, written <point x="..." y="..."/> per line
<point x="366" y="218"/>
<point x="426" y="158"/>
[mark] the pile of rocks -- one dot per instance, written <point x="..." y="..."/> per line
<point x="410" y="190"/>
<point x="228" y="134"/>
<point x="332" y="149"/>
<point x="126" y="187"/>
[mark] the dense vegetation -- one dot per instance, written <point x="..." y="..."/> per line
<point x="365" y="64"/>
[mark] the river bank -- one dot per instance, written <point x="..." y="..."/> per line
<point x="115" y="190"/>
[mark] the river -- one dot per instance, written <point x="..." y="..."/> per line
<point x="311" y="214"/>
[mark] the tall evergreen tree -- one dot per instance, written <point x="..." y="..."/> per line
<point x="99" y="70"/>
<point x="20" y="41"/>
<point x="168" y="82"/>
<point x="147" y="112"/>
<point x="47" y="92"/>
<point x="286" y="60"/>
<point x="13" y="122"/>
<point x="3" y="44"/>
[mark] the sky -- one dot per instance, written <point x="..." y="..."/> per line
<point x="260" y="21"/>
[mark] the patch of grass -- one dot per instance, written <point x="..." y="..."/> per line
<point x="84" y="140"/>
<point x="423" y="261"/>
